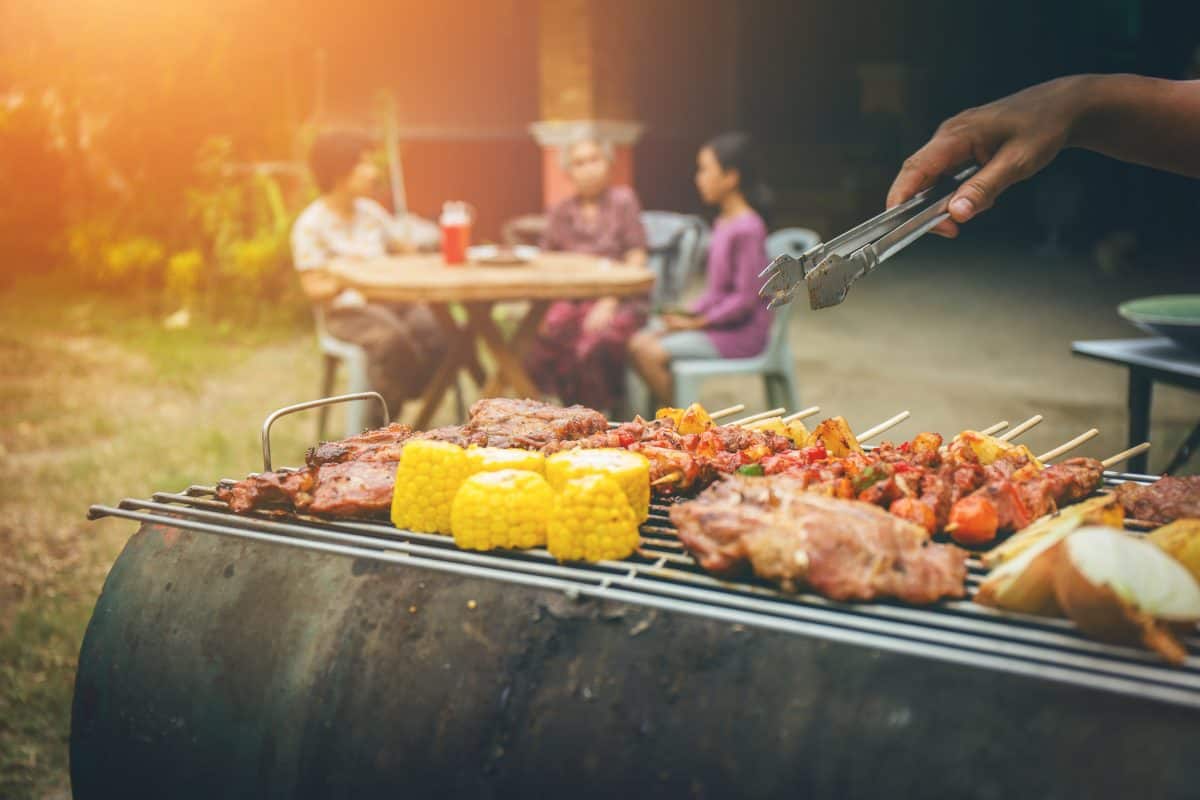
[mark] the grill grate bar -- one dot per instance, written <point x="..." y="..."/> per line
<point x="917" y="623"/>
<point x="663" y="575"/>
<point x="694" y="574"/>
<point x="950" y="614"/>
<point x="954" y="652"/>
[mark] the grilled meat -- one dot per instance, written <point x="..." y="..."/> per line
<point x="268" y="490"/>
<point x="382" y="444"/>
<point x="349" y="489"/>
<point x="1163" y="501"/>
<point x="531" y="425"/>
<point x="693" y="459"/>
<point x="842" y="549"/>
<point x="353" y="477"/>
<point x="342" y="489"/>
<point x="1009" y="504"/>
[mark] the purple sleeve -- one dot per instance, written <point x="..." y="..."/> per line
<point x="632" y="234"/>
<point x="703" y="303"/>
<point x="747" y="252"/>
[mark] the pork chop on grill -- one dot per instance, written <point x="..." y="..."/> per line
<point x="530" y="424"/>
<point x="381" y="444"/>
<point x="842" y="549"/>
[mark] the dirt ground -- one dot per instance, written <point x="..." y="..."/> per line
<point x="94" y="408"/>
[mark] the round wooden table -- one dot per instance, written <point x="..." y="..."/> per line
<point x="428" y="279"/>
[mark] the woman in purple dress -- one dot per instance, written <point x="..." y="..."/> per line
<point x="579" y="352"/>
<point x="729" y="320"/>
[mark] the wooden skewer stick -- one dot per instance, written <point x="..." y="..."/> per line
<point x="774" y="412"/>
<point x="1124" y="455"/>
<point x="670" y="477"/>
<point x="999" y="426"/>
<point x="1024" y="426"/>
<point x="762" y="423"/>
<point x="805" y="414"/>
<point x="1068" y="446"/>
<point x="725" y="412"/>
<point x="886" y="425"/>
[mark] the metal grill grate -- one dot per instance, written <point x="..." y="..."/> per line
<point x="664" y="576"/>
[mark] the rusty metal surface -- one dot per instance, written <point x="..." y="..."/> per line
<point x="216" y="667"/>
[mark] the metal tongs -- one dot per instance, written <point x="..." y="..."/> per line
<point x="831" y="267"/>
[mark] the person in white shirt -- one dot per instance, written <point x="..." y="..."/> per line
<point x="403" y="341"/>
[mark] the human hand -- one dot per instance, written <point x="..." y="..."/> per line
<point x="1011" y="138"/>
<point x="682" y="322"/>
<point x="600" y="316"/>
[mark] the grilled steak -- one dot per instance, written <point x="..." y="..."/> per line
<point x="350" y="489"/>
<point x="268" y="490"/>
<point x="382" y="444"/>
<point x="531" y="425"/>
<point x="1163" y="501"/>
<point x="842" y="549"/>
<point x="353" y="477"/>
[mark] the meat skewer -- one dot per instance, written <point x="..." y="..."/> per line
<point x="1011" y="504"/>
<point x="805" y="413"/>
<point x="721" y="413"/>
<point x="1067" y="447"/>
<point x="994" y="428"/>
<point x="1125" y="455"/>
<point x="1021" y="428"/>
<point x="886" y="425"/>
<point x="774" y="412"/>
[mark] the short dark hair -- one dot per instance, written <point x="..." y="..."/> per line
<point x="335" y="154"/>
<point x="737" y="150"/>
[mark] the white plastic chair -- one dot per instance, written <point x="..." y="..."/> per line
<point x="774" y="363"/>
<point x="336" y="351"/>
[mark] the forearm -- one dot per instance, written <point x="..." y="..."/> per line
<point x="729" y="311"/>
<point x="318" y="285"/>
<point x="1148" y="121"/>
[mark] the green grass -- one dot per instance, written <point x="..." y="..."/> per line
<point x="98" y="401"/>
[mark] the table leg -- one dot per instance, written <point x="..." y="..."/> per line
<point x="1140" y="393"/>
<point x="1184" y="453"/>
<point x="474" y="368"/>
<point x="460" y="351"/>
<point x="509" y="370"/>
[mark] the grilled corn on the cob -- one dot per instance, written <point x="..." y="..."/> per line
<point x="630" y="470"/>
<point x="427" y="479"/>
<point x="491" y="459"/>
<point x="504" y="508"/>
<point x="592" y="521"/>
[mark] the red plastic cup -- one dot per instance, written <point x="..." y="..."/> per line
<point x="455" y="241"/>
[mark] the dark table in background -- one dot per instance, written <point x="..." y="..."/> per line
<point x="1148" y="360"/>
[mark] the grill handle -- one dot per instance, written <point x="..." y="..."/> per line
<point x="324" y="401"/>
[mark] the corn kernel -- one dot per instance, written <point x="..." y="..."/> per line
<point x="630" y="470"/>
<point x="427" y="480"/>
<point x="506" y="508"/>
<point x="592" y="521"/>
<point x="490" y="459"/>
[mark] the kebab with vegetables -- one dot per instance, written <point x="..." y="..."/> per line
<point x="972" y="489"/>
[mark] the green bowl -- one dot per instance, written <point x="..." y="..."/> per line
<point x="1176" y="316"/>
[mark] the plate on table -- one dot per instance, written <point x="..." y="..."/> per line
<point x="498" y="255"/>
<point x="1176" y="316"/>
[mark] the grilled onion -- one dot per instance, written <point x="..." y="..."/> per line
<point x="1121" y="589"/>
<point x="1026" y="583"/>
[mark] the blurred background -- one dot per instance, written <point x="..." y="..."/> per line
<point x="152" y="160"/>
